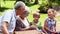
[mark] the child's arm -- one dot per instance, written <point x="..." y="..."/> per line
<point x="46" y="27"/>
<point x="44" y="30"/>
<point x="55" y="26"/>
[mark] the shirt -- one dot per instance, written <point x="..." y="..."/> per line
<point x="38" y="24"/>
<point x="25" y="22"/>
<point x="9" y="16"/>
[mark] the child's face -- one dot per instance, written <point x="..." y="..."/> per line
<point x="50" y="14"/>
<point x="36" y="17"/>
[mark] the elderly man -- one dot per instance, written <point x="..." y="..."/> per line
<point x="8" y="20"/>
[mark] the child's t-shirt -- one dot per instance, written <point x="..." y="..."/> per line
<point x="38" y="24"/>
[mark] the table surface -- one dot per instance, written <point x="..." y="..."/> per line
<point x="28" y="32"/>
<point x="35" y="31"/>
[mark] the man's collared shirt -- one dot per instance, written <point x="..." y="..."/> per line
<point x="9" y="17"/>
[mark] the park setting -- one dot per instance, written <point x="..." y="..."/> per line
<point x="40" y="6"/>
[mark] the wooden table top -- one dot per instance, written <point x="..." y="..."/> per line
<point x="28" y="32"/>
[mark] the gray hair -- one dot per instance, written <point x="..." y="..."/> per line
<point x="27" y="10"/>
<point x="19" y="4"/>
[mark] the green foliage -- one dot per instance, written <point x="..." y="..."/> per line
<point x="46" y="4"/>
<point x="8" y="0"/>
<point x="6" y="5"/>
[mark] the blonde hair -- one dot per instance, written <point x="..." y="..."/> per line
<point x="38" y="14"/>
<point x="54" y="11"/>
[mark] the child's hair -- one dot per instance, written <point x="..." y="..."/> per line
<point x="36" y="14"/>
<point x="54" y="11"/>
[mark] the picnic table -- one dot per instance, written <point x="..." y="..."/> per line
<point x="37" y="32"/>
<point x="28" y="32"/>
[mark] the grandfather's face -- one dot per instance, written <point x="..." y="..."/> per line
<point x="20" y="10"/>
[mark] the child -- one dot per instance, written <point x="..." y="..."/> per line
<point x="50" y="22"/>
<point x="36" y="21"/>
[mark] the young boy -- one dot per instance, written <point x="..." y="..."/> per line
<point x="36" y="21"/>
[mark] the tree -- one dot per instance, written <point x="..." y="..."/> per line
<point x="25" y="1"/>
<point x="36" y="2"/>
<point x="20" y="0"/>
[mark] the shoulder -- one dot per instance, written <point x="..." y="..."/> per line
<point x="55" y="20"/>
<point x="9" y="11"/>
<point x="47" y="19"/>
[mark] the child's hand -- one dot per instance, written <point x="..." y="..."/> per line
<point x="33" y="26"/>
<point x="55" y="32"/>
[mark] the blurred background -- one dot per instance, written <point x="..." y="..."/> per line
<point x="40" y="6"/>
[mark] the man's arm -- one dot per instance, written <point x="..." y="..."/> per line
<point x="6" y="18"/>
<point x="4" y="28"/>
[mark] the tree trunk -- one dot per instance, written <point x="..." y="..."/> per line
<point x="36" y="2"/>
